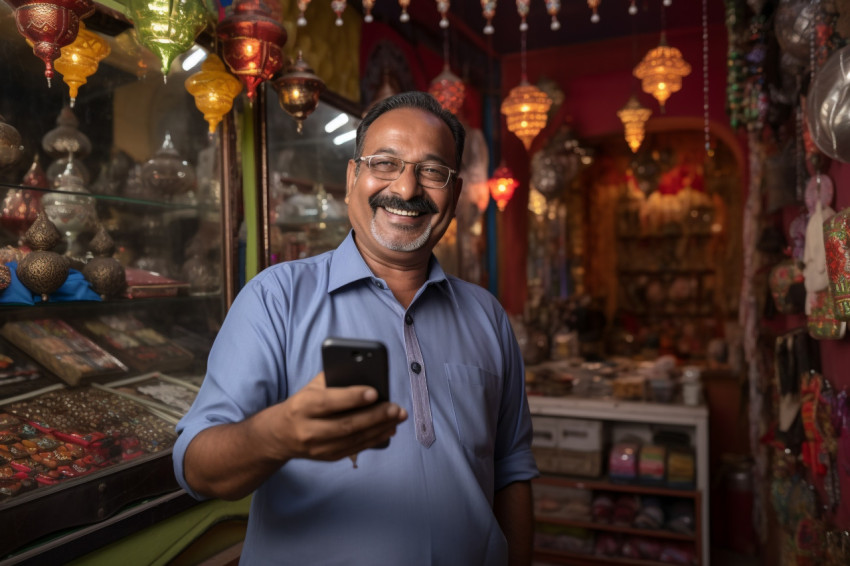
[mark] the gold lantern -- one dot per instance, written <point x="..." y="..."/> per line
<point x="298" y="91"/>
<point x="214" y="90"/>
<point x="634" y="116"/>
<point x="80" y="59"/>
<point x="525" y="111"/>
<point x="661" y="71"/>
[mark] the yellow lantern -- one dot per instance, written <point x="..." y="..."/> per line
<point x="634" y="116"/>
<point x="661" y="71"/>
<point x="214" y="90"/>
<point x="80" y="59"/>
<point x="526" y="111"/>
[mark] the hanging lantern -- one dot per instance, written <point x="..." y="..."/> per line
<point x="338" y="6"/>
<point x="449" y="90"/>
<point x="80" y="59"/>
<point x="251" y="43"/>
<point x="552" y="8"/>
<point x="214" y="90"/>
<point x="525" y="111"/>
<point x="49" y="25"/>
<point x="302" y="7"/>
<point x="661" y="71"/>
<point x="404" y="17"/>
<point x="537" y="204"/>
<point x="634" y="116"/>
<point x="632" y="8"/>
<point x="522" y="7"/>
<point x="594" y="5"/>
<point x="502" y="185"/>
<point x="367" y="11"/>
<point x="167" y="27"/>
<point x="488" y="10"/>
<point x="443" y="8"/>
<point x="298" y="91"/>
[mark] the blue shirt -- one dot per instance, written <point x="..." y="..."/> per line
<point x="406" y="504"/>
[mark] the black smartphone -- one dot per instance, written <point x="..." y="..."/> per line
<point x="350" y="361"/>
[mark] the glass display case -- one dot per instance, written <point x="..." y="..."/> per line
<point x="97" y="366"/>
<point x="307" y="210"/>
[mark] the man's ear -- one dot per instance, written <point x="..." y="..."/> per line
<point x="350" y="177"/>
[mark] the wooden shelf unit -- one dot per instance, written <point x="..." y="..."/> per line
<point x="612" y="410"/>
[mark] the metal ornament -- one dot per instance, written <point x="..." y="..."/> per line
<point x="43" y="271"/>
<point x="105" y="273"/>
<point x="298" y="91"/>
<point x="827" y="107"/>
<point x="10" y="144"/>
<point x="166" y="174"/>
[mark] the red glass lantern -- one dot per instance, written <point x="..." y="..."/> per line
<point x="502" y="185"/>
<point x="251" y="43"/>
<point x="50" y="25"/>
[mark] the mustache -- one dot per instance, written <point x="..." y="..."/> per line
<point x="418" y="203"/>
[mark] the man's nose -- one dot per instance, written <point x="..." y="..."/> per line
<point x="407" y="186"/>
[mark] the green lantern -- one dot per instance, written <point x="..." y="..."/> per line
<point x="168" y="27"/>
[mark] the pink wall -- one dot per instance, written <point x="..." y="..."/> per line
<point x="597" y="80"/>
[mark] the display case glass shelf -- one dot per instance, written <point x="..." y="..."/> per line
<point x="83" y="461"/>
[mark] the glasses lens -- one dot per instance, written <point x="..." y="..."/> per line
<point x="433" y="176"/>
<point x="385" y="166"/>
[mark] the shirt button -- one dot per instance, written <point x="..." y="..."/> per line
<point x="415" y="367"/>
<point x="408" y="320"/>
<point x="379" y="285"/>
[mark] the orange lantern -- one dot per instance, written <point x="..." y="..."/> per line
<point x="502" y="185"/>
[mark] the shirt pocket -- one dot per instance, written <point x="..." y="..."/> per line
<point x="476" y="395"/>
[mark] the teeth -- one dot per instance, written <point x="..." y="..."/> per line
<point x="401" y="212"/>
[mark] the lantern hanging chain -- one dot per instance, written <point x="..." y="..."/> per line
<point x="705" y="108"/>
<point x="446" y="47"/>
<point x="523" y="75"/>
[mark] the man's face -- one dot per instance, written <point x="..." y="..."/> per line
<point x="399" y="222"/>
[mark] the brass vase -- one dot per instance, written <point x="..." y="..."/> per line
<point x="104" y="272"/>
<point x="43" y="271"/>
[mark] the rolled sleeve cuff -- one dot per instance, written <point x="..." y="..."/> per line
<point x="177" y="455"/>
<point x="519" y="466"/>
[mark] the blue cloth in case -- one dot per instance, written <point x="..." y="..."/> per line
<point x="75" y="288"/>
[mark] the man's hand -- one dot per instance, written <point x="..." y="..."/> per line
<point x="329" y="423"/>
<point x="317" y="422"/>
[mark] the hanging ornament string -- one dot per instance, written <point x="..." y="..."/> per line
<point x="522" y="7"/>
<point x="522" y="44"/>
<point x="488" y="10"/>
<point x="705" y="76"/>
<point x="552" y="8"/>
<point x="594" y="6"/>
<point x="367" y="11"/>
<point x="443" y="9"/>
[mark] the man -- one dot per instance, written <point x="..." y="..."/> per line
<point x="453" y="486"/>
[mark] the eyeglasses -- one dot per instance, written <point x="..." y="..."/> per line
<point x="389" y="168"/>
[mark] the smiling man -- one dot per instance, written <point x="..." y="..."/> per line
<point x="453" y="486"/>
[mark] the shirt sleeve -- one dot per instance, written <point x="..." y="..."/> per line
<point x="240" y="381"/>
<point x="514" y="460"/>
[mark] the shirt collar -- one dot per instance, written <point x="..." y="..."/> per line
<point x="348" y="266"/>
